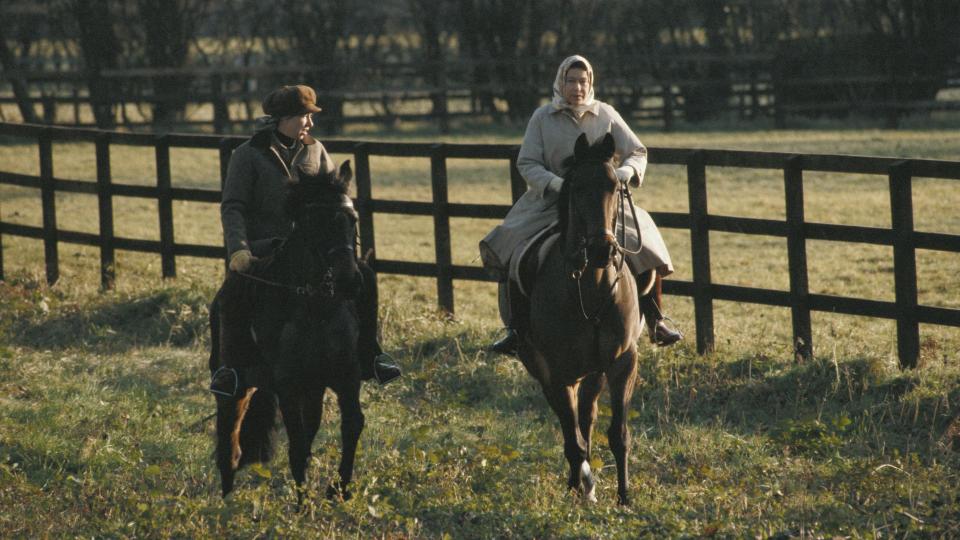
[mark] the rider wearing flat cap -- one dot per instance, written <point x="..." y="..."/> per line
<point x="253" y="217"/>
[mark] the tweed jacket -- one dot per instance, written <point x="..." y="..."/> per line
<point x="549" y="139"/>
<point x="254" y="193"/>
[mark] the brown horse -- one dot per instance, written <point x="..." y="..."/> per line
<point x="584" y="319"/>
<point x="289" y="328"/>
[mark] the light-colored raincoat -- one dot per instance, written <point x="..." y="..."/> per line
<point x="548" y="141"/>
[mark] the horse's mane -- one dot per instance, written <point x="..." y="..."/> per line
<point x="568" y="164"/>
<point x="313" y="188"/>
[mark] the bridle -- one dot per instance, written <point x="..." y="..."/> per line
<point x="624" y="195"/>
<point x="327" y="287"/>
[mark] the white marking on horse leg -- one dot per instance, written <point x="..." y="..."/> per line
<point x="589" y="484"/>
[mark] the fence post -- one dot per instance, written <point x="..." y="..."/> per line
<point x="168" y="258"/>
<point x="666" y="93"/>
<point x="700" y="251"/>
<point x="48" y="201"/>
<point x="797" y="256"/>
<point x="441" y="227"/>
<point x="904" y="264"/>
<point x="49" y="106"/>
<point x="518" y="186"/>
<point x="365" y="203"/>
<point x="105" y="211"/>
<point x="76" y="106"/>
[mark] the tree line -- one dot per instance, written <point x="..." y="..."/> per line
<point x="504" y="51"/>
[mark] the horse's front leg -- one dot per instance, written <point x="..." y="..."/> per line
<point x="291" y="407"/>
<point x="623" y="378"/>
<point x="351" y="425"/>
<point x="563" y="401"/>
<point x="590" y="388"/>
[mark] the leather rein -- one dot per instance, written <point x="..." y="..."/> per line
<point x="625" y="197"/>
<point x="327" y="287"/>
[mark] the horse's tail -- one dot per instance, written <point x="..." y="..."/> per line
<point x="258" y="428"/>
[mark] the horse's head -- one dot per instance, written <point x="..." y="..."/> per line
<point x="588" y="202"/>
<point x="324" y="226"/>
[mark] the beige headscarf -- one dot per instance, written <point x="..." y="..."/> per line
<point x="558" y="100"/>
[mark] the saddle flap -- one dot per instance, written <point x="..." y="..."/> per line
<point x="529" y="256"/>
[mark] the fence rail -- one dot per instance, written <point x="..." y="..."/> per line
<point x="905" y="309"/>
<point x="750" y="93"/>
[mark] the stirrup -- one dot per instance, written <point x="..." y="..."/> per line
<point x="385" y="369"/>
<point x="663" y="343"/>
<point x="508" y="344"/>
<point x="227" y="371"/>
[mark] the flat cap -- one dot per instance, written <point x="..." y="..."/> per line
<point x="291" y="101"/>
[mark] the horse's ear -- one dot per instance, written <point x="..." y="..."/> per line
<point x="607" y="146"/>
<point x="581" y="147"/>
<point x="346" y="173"/>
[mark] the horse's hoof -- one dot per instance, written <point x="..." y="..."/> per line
<point x="623" y="500"/>
<point x="588" y="483"/>
<point x="340" y="493"/>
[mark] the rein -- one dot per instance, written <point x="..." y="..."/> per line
<point x="577" y="275"/>
<point x="327" y="287"/>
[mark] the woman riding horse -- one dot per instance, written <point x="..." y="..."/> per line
<point x="548" y="140"/>
<point x="254" y="222"/>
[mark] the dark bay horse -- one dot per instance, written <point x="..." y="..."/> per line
<point x="584" y="318"/>
<point x="290" y="325"/>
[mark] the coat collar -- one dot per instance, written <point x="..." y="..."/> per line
<point x="593" y="108"/>
<point x="262" y="139"/>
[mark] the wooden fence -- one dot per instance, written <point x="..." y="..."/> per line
<point x="62" y="98"/>
<point x="901" y="236"/>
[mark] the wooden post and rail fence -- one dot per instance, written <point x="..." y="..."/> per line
<point x="904" y="240"/>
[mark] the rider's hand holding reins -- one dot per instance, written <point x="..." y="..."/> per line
<point x="625" y="173"/>
<point x="241" y="260"/>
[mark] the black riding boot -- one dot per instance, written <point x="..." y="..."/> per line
<point x="516" y="307"/>
<point x="223" y="380"/>
<point x="374" y="363"/>
<point x="660" y="334"/>
<point x="226" y="370"/>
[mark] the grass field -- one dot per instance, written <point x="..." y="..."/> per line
<point x="104" y="430"/>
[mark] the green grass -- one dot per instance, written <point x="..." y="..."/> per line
<point x="105" y="429"/>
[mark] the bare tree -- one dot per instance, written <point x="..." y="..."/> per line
<point x="12" y="72"/>
<point x="429" y="17"/>
<point x="165" y="33"/>
<point x="100" y="49"/>
<point x="504" y="39"/>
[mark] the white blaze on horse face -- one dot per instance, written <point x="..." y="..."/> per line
<point x="589" y="484"/>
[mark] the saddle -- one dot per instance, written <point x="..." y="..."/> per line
<point x="529" y="256"/>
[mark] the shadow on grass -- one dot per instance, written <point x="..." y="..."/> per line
<point x="819" y="407"/>
<point x="166" y="317"/>
<point x="39" y="467"/>
<point x="457" y="369"/>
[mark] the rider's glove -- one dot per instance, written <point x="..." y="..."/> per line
<point x="241" y="260"/>
<point x="625" y="173"/>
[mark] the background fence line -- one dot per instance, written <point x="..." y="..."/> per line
<point x="904" y="240"/>
<point x="58" y="97"/>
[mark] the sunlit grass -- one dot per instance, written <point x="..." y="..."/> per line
<point x="105" y="428"/>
